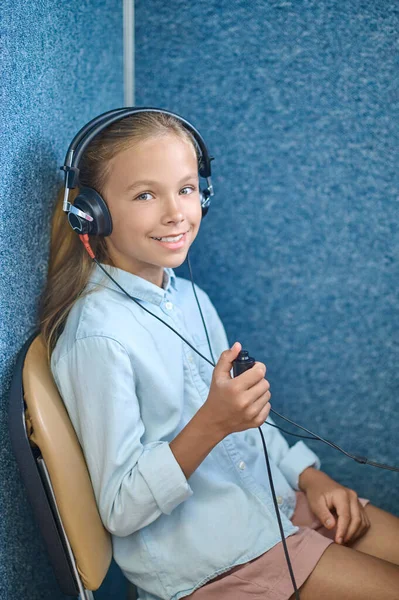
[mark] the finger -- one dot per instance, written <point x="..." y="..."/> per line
<point x="263" y="365"/>
<point x="252" y="376"/>
<point x="257" y="390"/>
<point x="358" y="534"/>
<point x="323" y="513"/>
<point x="365" y="524"/>
<point x="258" y="405"/>
<point x="225" y="362"/>
<point x="366" y="518"/>
<point x="356" y="521"/>
<point x="264" y="412"/>
<point x="341" y="502"/>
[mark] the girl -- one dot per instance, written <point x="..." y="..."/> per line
<point x="177" y="467"/>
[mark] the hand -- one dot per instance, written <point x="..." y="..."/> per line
<point x="236" y="404"/>
<point x="334" y="505"/>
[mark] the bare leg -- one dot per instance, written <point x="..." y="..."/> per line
<point x="349" y="575"/>
<point x="382" y="538"/>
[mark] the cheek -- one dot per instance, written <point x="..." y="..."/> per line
<point x="130" y="222"/>
<point x="196" y="222"/>
<point x="196" y="211"/>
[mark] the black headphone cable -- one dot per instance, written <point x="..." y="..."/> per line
<point x="199" y="306"/>
<point x="268" y="467"/>
<point x="363" y="460"/>
<point x="360" y="459"/>
<point x="85" y="240"/>
<point x="313" y="436"/>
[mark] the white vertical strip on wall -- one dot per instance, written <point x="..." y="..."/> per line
<point x="128" y="52"/>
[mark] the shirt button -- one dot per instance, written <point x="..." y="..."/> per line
<point x="169" y="305"/>
<point x="241" y="465"/>
<point x="279" y="500"/>
<point x="190" y="358"/>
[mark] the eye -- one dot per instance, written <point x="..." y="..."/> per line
<point x="188" y="189"/>
<point x="144" y="196"/>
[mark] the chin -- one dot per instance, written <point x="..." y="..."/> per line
<point x="175" y="262"/>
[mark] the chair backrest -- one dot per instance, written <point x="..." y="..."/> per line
<point x="41" y="432"/>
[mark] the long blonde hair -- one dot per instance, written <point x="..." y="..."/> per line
<point x="70" y="265"/>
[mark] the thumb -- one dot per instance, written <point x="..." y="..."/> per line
<point x="225" y="362"/>
<point x="324" y="514"/>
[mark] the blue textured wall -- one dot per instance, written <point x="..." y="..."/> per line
<point x="298" y="101"/>
<point x="62" y="66"/>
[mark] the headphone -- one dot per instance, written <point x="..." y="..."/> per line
<point x="89" y="214"/>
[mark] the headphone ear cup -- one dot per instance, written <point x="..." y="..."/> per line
<point x="78" y="224"/>
<point x="205" y="202"/>
<point x="90" y="202"/>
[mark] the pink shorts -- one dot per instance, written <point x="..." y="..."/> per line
<point x="267" y="577"/>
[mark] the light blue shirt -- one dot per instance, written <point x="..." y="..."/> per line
<point x="130" y="385"/>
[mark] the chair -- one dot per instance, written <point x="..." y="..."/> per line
<point x="55" y="475"/>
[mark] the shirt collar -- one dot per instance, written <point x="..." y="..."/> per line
<point x="136" y="286"/>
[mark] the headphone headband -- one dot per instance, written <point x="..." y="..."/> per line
<point x="89" y="213"/>
<point x="89" y="131"/>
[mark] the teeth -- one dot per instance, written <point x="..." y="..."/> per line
<point x="170" y="239"/>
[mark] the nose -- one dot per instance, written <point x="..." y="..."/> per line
<point x="173" y="210"/>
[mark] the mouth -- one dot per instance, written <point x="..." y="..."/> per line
<point x="172" y="241"/>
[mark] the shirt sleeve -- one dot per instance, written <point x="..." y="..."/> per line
<point x="133" y="483"/>
<point x="292" y="461"/>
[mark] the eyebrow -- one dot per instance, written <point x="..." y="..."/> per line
<point x="147" y="182"/>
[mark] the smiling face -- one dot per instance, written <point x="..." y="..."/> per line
<point x="152" y="193"/>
